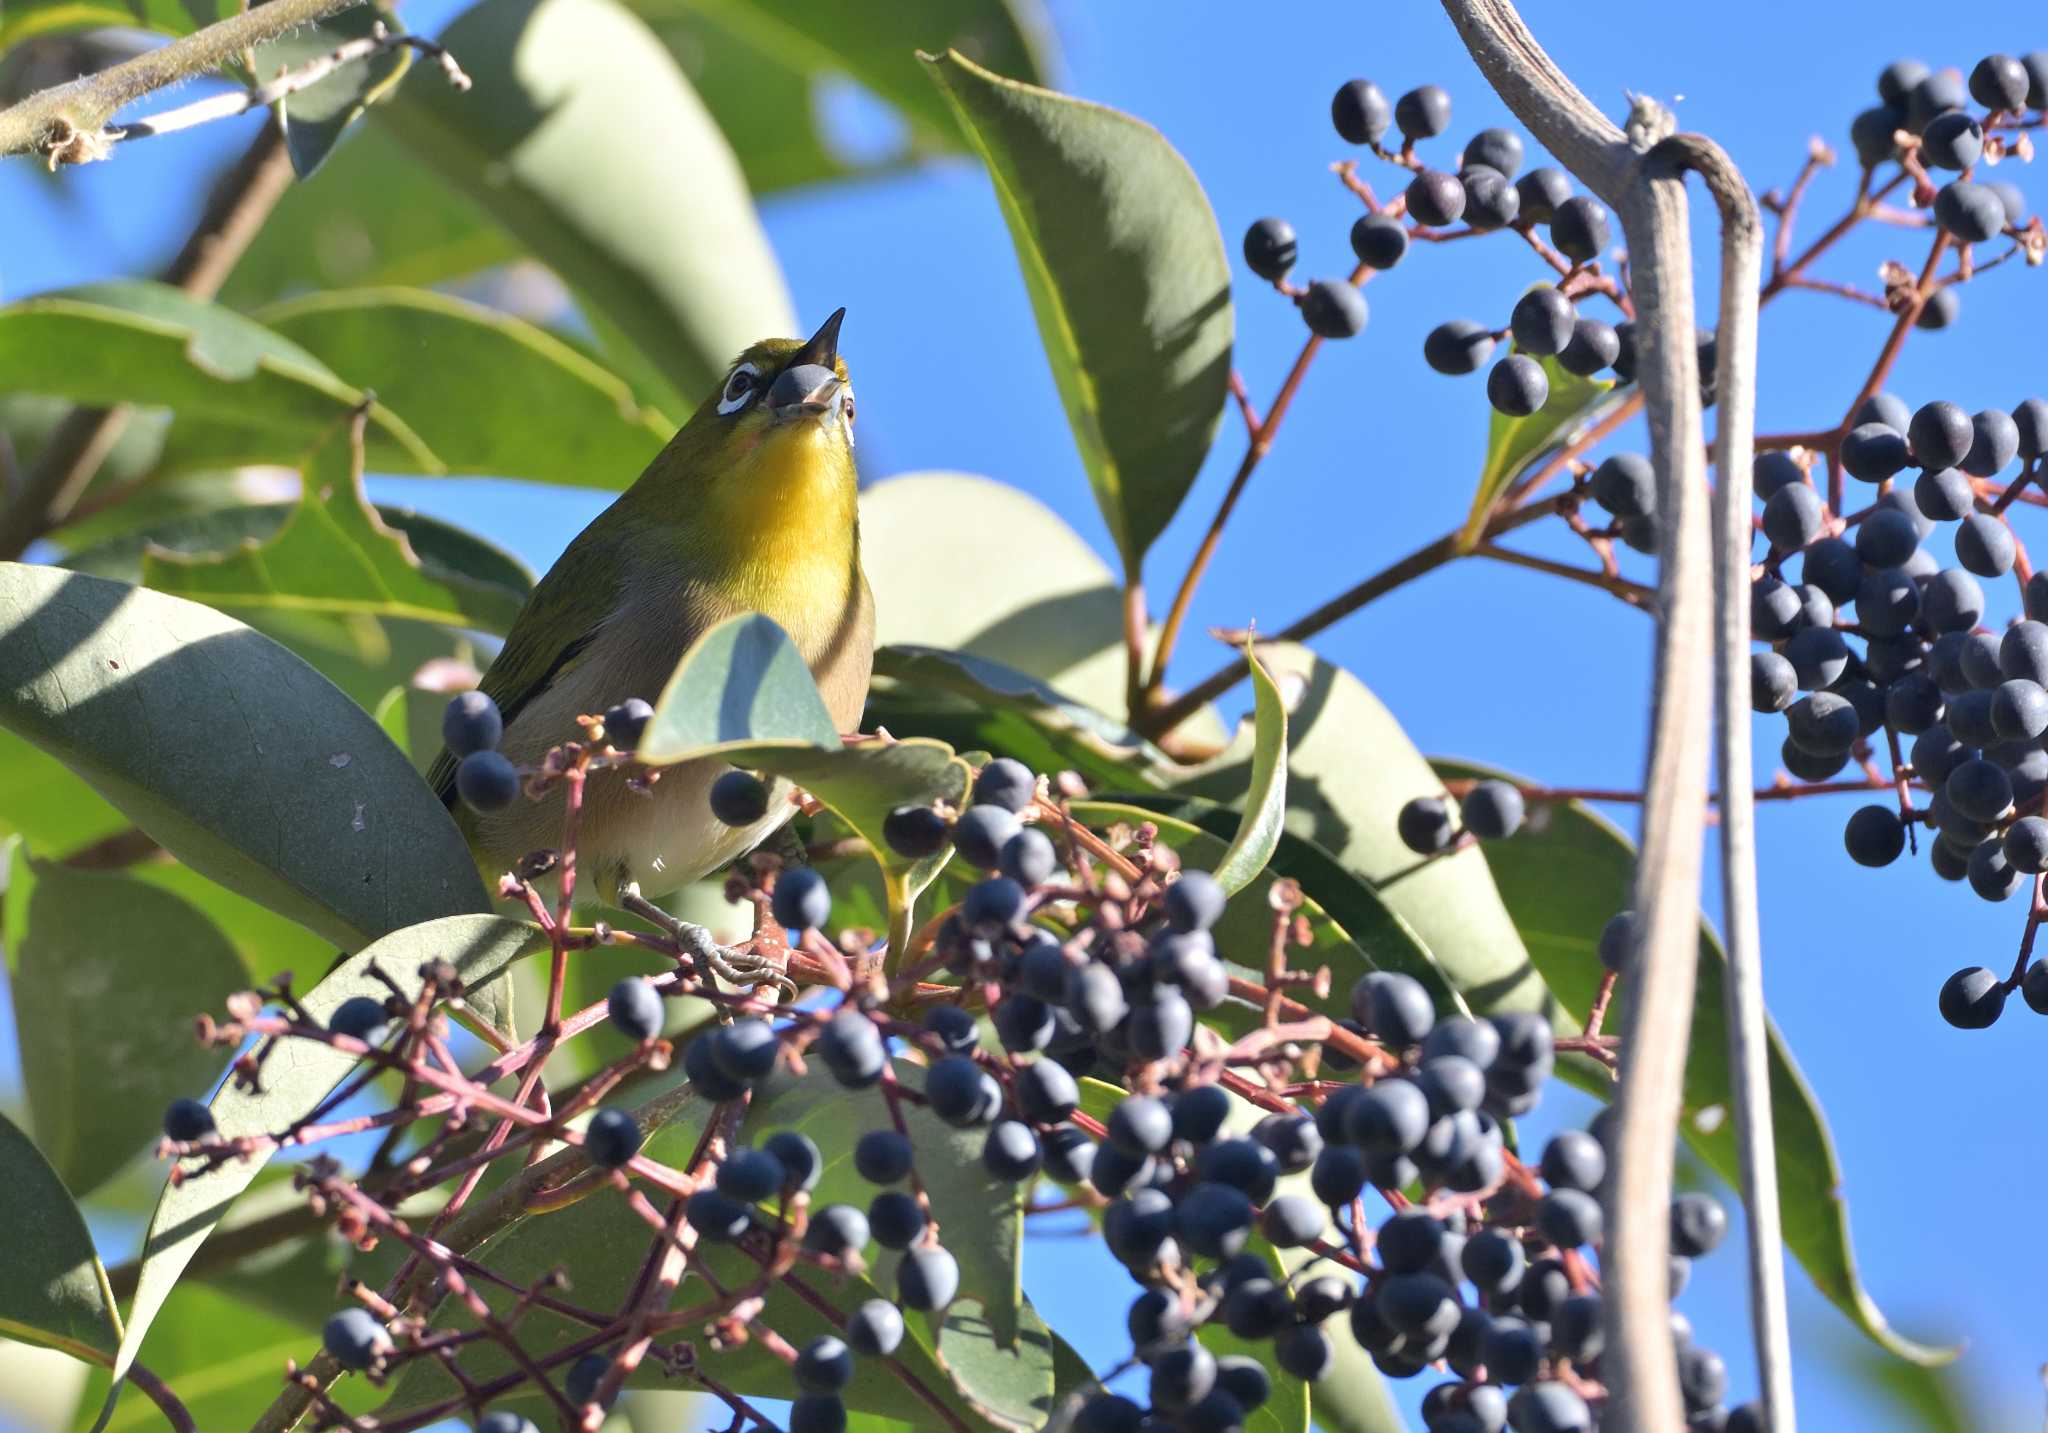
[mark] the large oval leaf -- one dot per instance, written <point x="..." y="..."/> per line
<point x="929" y="541"/>
<point x="53" y="1288"/>
<point x="1128" y="278"/>
<point x="481" y="947"/>
<point x="582" y="138"/>
<point x="547" y="413"/>
<point x="234" y="754"/>
<point x="107" y="976"/>
<point x="1562" y="876"/>
<point x="743" y="693"/>
<point x="150" y="344"/>
<point x="741" y="683"/>
<point x="1350" y="769"/>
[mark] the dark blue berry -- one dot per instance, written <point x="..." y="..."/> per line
<point x="471" y="723"/>
<point x="739" y="798"/>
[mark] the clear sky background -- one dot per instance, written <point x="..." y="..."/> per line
<point x="1939" y="1131"/>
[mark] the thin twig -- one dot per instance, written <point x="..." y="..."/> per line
<point x="378" y="41"/>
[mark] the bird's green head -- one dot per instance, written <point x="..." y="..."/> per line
<point x="780" y="390"/>
<point x="767" y="458"/>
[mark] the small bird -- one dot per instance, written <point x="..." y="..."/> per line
<point x="750" y="508"/>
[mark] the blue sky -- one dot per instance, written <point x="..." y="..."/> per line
<point x="1495" y="664"/>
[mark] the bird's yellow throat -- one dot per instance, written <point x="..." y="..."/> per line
<point x="785" y="515"/>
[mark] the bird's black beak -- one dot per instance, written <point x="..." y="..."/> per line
<point x="822" y="347"/>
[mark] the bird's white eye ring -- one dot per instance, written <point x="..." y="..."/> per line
<point x="739" y="388"/>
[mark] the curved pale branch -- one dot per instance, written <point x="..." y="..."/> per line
<point x="1748" y="1053"/>
<point x="1644" y="188"/>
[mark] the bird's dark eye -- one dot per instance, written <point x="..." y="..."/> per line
<point x="739" y="387"/>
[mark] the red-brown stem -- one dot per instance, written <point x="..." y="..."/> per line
<point x="1633" y="593"/>
<point x="1446" y="549"/>
<point x="1839" y="290"/>
<point x="1788" y="212"/>
<point x="1254" y="453"/>
<point x="2037" y="911"/>
<point x="1622" y="797"/>
<point x="1888" y="355"/>
<point x="1244" y="404"/>
<point x="1597" y="1015"/>
<point x="558" y="970"/>
<point x="1859" y="209"/>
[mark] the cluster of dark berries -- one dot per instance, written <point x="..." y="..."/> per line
<point x="1933" y="667"/>
<point x="1492" y="811"/>
<point x="1232" y="1180"/>
<point x="485" y="777"/>
<point x="1488" y="191"/>
<point x="1922" y="118"/>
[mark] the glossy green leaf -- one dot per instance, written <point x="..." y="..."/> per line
<point x="605" y="1244"/>
<point x="1350" y="769"/>
<point x="1127" y="275"/>
<point x="233" y="753"/>
<point x="929" y="541"/>
<point x="1513" y="445"/>
<point x="53" y="1288"/>
<point x="974" y="703"/>
<point x="1265" y="801"/>
<point x="313" y="118"/>
<point x="1563" y="876"/>
<point x="378" y="216"/>
<point x="743" y="693"/>
<point x="107" y="975"/>
<point x="582" y="138"/>
<point x="135" y="342"/>
<point x="335" y="554"/>
<point x="547" y="413"/>
<point x="481" y="947"/>
<point x="742" y="682"/>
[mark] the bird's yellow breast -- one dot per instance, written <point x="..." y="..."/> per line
<point x="786" y="528"/>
